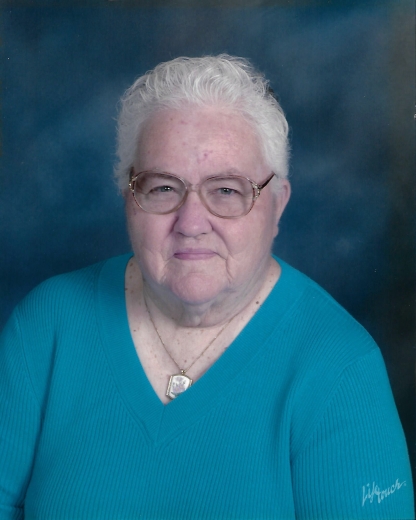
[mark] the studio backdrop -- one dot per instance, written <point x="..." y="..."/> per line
<point x="344" y="74"/>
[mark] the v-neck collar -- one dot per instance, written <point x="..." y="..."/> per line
<point x="159" y="422"/>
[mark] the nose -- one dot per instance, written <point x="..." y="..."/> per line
<point x="193" y="218"/>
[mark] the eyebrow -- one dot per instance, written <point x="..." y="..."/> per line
<point x="232" y="172"/>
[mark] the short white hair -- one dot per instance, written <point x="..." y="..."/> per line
<point x="225" y="81"/>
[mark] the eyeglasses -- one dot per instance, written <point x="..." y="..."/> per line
<point x="225" y="196"/>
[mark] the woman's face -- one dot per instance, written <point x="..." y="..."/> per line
<point x="190" y="254"/>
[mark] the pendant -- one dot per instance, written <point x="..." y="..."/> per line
<point x="178" y="383"/>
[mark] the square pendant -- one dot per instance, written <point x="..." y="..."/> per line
<point x="178" y="383"/>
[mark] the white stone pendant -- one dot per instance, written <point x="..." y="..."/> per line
<point x="178" y="383"/>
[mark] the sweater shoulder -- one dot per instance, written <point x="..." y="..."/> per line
<point x="327" y="348"/>
<point x="54" y="319"/>
<point x="60" y="290"/>
<point x="74" y="289"/>
<point x="323" y="328"/>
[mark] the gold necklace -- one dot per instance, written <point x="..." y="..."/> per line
<point x="179" y="383"/>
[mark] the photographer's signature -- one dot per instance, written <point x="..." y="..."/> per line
<point x="369" y="492"/>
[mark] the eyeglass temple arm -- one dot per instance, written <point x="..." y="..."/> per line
<point x="259" y="187"/>
<point x="131" y="179"/>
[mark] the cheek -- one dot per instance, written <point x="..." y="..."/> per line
<point x="249" y="245"/>
<point x="257" y="233"/>
<point x="132" y="224"/>
<point x="149" y="234"/>
<point x="131" y="208"/>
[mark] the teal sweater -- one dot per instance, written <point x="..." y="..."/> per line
<point x="295" y="420"/>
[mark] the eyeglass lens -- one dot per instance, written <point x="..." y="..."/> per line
<point x="161" y="193"/>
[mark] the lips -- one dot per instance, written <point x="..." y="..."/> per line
<point x="194" y="254"/>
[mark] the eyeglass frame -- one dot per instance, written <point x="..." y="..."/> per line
<point x="257" y="188"/>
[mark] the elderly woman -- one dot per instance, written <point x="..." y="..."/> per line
<point x="200" y="377"/>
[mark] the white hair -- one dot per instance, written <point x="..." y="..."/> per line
<point x="225" y="81"/>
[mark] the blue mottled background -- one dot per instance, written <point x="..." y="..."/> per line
<point x="344" y="72"/>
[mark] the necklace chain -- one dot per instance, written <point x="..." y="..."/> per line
<point x="183" y="370"/>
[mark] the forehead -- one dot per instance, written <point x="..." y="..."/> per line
<point x="207" y="140"/>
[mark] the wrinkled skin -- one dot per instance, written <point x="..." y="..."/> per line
<point x="200" y="269"/>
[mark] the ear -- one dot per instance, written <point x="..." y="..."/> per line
<point x="130" y="206"/>
<point x="281" y="199"/>
<point x="126" y="192"/>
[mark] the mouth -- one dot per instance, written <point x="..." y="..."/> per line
<point x="194" y="254"/>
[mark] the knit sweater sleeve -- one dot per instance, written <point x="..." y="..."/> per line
<point x="355" y="463"/>
<point x="19" y="422"/>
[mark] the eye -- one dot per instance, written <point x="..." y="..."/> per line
<point x="162" y="189"/>
<point x="227" y="191"/>
<point x="227" y="187"/>
<point x="157" y="184"/>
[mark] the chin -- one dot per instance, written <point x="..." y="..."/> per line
<point x="197" y="290"/>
